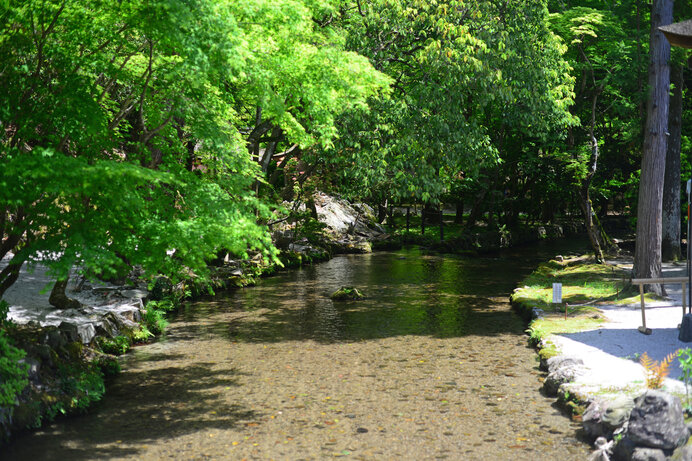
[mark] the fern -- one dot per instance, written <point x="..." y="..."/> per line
<point x="656" y="372"/>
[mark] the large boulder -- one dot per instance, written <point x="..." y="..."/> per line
<point x="603" y="417"/>
<point x="342" y="217"/>
<point x="657" y="421"/>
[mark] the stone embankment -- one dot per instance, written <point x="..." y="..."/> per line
<point x="622" y="417"/>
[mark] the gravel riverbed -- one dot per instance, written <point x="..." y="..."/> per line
<point x="280" y="372"/>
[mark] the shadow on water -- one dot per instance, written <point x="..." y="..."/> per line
<point x="170" y="401"/>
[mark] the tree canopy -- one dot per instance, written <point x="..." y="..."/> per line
<point x="157" y="133"/>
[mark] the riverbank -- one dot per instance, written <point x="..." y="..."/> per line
<point x="593" y="354"/>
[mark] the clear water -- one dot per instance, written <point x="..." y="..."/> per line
<point x="432" y="364"/>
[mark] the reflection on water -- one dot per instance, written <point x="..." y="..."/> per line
<point x="407" y="293"/>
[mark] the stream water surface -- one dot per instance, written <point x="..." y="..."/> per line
<point x="433" y="364"/>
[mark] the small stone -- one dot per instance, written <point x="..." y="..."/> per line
<point x="54" y="338"/>
<point x="682" y="454"/>
<point x="618" y="412"/>
<point x="34" y="366"/>
<point x="345" y="293"/>
<point x="624" y="448"/>
<point x="361" y="430"/>
<point x="648" y="454"/>
<point x="69" y="331"/>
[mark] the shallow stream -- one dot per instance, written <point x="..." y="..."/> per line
<point x="433" y="364"/>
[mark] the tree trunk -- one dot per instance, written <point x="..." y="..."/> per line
<point x="476" y="209"/>
<point x="8" y="275"/>
<point x="647" y="256"/>
<point x="59" y="299"/>
<point x="422" y="220"/>
<point x="591" y="230"/>
<point x="670" y="240"/>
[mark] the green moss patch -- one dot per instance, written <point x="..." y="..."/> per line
<point x="584" y="284"/>
<point x="346" y="293"/>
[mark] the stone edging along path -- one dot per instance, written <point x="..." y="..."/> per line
<point x="595" y="377"/>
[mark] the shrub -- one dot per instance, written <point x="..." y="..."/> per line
<point x="116" y="346"/>
<point x="155" y="320"/>
<point x="13" y="375"/>
<point x="82" y="383"/>
<point x="109" y="366"/>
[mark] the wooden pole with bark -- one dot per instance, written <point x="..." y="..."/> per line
<point x="647" y="256"/>
<point x="671" y="239"/>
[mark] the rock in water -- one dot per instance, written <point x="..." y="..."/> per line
<point x="345" y="293"/>
<point x="657" y="421"/>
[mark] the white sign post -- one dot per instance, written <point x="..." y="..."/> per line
<point x="557" y="297"/>
<point x="557" y="293"/>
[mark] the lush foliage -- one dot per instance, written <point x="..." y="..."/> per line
<point x="115" y="346"/>
<point x="123" y="135"/>
<point x="685" y="361"/>
<point x="175" y="126"/>
<point x="470" y="78"/>
<point x="13" y="374"/>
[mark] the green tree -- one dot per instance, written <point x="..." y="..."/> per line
<point x="460" y="74"/>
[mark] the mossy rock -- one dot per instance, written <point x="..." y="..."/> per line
<point x="347" y="293"/>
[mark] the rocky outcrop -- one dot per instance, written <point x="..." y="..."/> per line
<point x="655" y="430"/>
<point x="344" y="218"/>
<point x="343" y="227"/>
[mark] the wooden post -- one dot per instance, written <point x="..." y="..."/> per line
<point x="684" y="300"/>
<point x="643" y="329"/>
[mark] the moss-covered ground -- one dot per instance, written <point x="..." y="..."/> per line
<point x="585" y="285"/>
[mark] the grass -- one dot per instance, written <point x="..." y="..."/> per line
<point x="583" y="282"/>
<point x="556" y="324"/>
